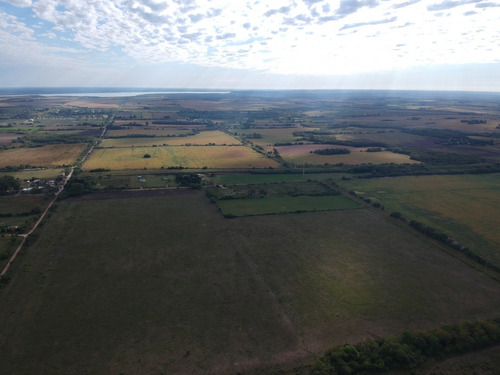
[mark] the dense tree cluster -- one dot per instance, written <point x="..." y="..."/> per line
<point x="436" y="157"/>
<point x="474" y="122"/>
<point x="9" y="184"/>
<point x="332" y="151"/>
<point x="78" y="186"/>
<point x="37" y="140"/>
<point x="192" y="180"/>
<point x="408" y="350"/>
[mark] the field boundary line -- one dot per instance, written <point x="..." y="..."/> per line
<point x="35" y="226"/>
<point x="457" y="254"/>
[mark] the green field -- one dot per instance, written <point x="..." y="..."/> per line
<point x="280" y="205"/>
<point x="255" y="178"/>
<point x="203" y="294"/>
<point x="137" y="181"/>
<point x="21" y="203"/>
<point x="48" y="173"/>
<point x="22" y="210"/>
<point x="8" y="244"/>
<point x="466" y="207"/>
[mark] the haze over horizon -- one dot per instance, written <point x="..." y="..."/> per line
<point x="224" y="44"/>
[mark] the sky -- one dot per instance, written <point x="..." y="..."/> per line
<point x="238" y="44"/>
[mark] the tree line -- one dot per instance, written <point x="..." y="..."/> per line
<point x="408" y="350"/>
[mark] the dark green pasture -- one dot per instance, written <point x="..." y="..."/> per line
<point x="280" y="205"/>
<point x="160" y="282"/>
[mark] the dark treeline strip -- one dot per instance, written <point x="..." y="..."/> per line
<point x="45" y="139"/>
<point x="442" y="237"/>
<point x="435" y="133"/>
<point x="332" y="151"/>
<point x="212" y="115"/>
<point x="173" y="122"/>
<point x="435" y="157"/>
<point x="314" y="137"/>
<point x="409" y="350"/>
<point x="447" y="137"/>
<point x="387" y="170"/>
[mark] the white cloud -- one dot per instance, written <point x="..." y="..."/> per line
<point x="313" y="37"/>
<point x="19" y="3"/>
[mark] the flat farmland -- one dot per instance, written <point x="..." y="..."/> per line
<point x="49" y="122"/>
<point x="255" y="178"/>
<point x="272" y="136"/>
<point x="280" y="205"/>
<point x="23" y="208"/>
<point x="7" y="138"/>
<point x="45" y="156"/>
<point x="172" y="156"/>
<point x="132" y="180"/>
<point x="203" y="138"/>
<point x="151" y="131"/>
<point x="466" y="208"/>
<point x="390" y="137"/>
<point x="8" y="245"/>
<point x="206" y="294"/>
<point x="110" y="103"/>
<point x="16" y="204"/>
<point x="27" y="174"/>
<point x="301" y="154"/>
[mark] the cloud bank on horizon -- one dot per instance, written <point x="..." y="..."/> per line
<point x="256" y="44"/>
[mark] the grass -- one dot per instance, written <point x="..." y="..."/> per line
<point x="267" y="190"/>
<point x="132" y="283"/>
<point x="8" y="245"/>
<point x="21" y="209"/>
<point x="189" y="157"/>
<point x="251" y="178"/>
<point x="45" y="156"/>
<point x="280" y="205"/>
<point x="272" y="136"/>
<point x="466" y="207"/>
<point x="47" y="173"/>
<point x="300" y="154"/>
<point x="146" y="181"/>
<point x="16" y="204"/>
<point x="479" y="362"/>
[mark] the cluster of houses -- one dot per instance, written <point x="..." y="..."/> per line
<point x="41" y="184"/>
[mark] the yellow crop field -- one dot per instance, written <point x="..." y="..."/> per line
<point x="151" y="131"/>
<point x="203" y="138"/>
<point x="92" y="103"/>
<point x="171" y="156"/>
<point x="301" y="154"/>
<point x="46" y="156"/>
<point x="272" y="136"/>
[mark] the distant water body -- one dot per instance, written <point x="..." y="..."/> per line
<point x="98" y="91"/>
